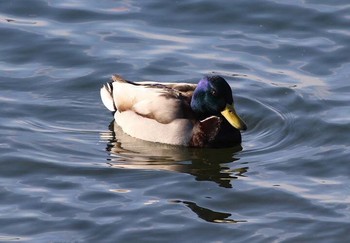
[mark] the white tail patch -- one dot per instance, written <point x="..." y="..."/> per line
<point x="106" y="93"/>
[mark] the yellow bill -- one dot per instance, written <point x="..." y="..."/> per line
<point x="231" y="116"/>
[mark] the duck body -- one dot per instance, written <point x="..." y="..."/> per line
<point x="175" y="113"/>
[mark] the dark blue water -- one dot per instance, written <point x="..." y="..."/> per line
<point x="68" y="175"/>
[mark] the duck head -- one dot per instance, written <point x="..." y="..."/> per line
<point x="212" y="97"/>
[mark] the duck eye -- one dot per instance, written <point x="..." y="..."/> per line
<point x="214" y="93"/>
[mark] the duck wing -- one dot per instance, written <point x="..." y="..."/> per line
<point x="163" y="102"/>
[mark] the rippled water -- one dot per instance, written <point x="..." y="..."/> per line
<point x="69" y="175"/>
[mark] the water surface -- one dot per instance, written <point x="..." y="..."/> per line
<point x="69" y="175"/>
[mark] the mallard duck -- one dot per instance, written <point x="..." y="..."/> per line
<point x="194" y="115"/>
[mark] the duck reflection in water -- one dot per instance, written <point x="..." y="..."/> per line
<point x="208" y="214"/>
<point x="204" y="164"/>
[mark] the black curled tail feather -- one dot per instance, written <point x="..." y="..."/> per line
<point x="120" y="79"/>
